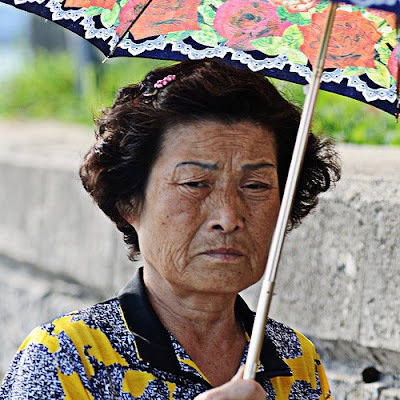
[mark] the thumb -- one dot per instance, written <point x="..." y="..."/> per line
<point x="239" y="374"/>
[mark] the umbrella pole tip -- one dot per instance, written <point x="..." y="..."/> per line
<point x="105" y="60"/>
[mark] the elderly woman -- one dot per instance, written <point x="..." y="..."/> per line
<point x="191" y="166"/>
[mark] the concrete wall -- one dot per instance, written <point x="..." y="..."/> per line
<point x="58" y="252"/>
<point x="338" y="282"/>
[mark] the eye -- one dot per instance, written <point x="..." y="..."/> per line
<point x="256" y="186"/>
<point x="195" y="184"/>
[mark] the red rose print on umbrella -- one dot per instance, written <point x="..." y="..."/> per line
<point x="393" y="63"/>
<point x="351" y="44"/>
<point x="109" y="4"/>
<point x="160" y="18"/>
<point x="241" y="22"/>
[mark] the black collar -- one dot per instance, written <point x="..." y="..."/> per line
<point x="153" y="341"/>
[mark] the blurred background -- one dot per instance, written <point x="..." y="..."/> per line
<point x="40" y="61"/>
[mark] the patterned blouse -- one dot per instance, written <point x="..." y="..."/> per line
<point x="120" y="350"/>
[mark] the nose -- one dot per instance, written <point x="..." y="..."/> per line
<point x="226" y="218"/>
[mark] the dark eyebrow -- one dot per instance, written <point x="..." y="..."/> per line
<point x="252" y="167"/>
<point x="198" y="164"/>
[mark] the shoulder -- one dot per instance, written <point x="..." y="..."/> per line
<point x="57" y="355"/>
<point x="100" y="328"/>
<point x="76" y="326"/>
<point x="100" y="317"/>
<point x="289" y="342"/>
<point x="299" y="353"/>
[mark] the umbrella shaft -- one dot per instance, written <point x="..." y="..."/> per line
<point x="264" y="302"/>
<point x="397" y="52"/>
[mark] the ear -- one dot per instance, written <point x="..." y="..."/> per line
<point x="128" y="212"/>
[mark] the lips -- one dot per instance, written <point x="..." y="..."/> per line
<point x="225" y="253"/>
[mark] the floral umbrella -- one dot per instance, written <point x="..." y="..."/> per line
<point x="286" y="39"/>
<point x="280" y="38"/>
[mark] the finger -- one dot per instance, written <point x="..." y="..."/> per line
<point x="239" y="374"/>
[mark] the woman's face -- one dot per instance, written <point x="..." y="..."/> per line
<point x="210" y="208"/>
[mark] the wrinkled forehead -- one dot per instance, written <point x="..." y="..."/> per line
<point x="210" y="139"/>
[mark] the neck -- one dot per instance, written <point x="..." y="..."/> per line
<point x="204" y="323"/>
<point x="185" y="312"/>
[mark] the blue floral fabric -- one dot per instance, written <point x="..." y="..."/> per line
<point x="97" y="353"/>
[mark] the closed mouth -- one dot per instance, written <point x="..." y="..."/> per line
<point x="224" y="252"/>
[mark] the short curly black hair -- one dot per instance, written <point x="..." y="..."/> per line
<point x="115" y="170"/>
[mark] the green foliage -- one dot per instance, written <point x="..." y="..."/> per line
<point x="352" y="121"/>
<point x="270" y="45"/>
<point x="321" y="6"/>
<point x="292" y="37"/>
<point x="347" y="120"/>
<point x="178" y="36"/>
<point x="110" y="17"/>
<point x="380" y="75"/>
<point x="289" y="44"/>
<point x="206" y="36"/>
<point x="207" y="13"/>
<point x="43" y="90"/>
<point x="46" y="89"/>
<point x="92" y="11"/>
<point x="295" y="19"/>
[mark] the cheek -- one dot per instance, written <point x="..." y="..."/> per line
<point x="264" y="221"/>
<point x="171" y="222"/>
<point x="180" y="212"/>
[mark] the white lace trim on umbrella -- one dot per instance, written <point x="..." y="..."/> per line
<point x="160" y="43"/>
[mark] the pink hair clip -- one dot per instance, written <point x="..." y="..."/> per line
<point x="158" y="85"/>
<point x="163" y="82"/>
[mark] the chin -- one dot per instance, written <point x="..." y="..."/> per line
<point x="226" y="282"/>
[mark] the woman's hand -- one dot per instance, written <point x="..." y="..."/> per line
<point x="236" y="389"/>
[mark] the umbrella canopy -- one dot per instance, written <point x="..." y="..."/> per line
<point x="280" y="38"/>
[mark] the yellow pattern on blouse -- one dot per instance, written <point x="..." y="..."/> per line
<point x="92" y="354"/>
